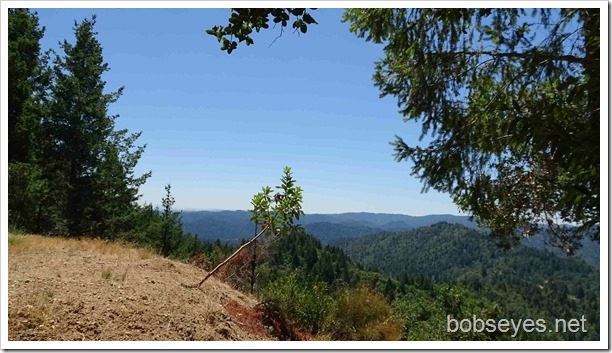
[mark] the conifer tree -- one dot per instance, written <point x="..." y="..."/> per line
<point x="28" y="81"/>
<point x="172" y="229"/>
<point x="92" y="165"/>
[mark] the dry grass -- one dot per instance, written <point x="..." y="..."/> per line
<point x="69" y="289"/>
<point x="20" y="243"/>
<point x="107" y="273"/>
<point x="36" y="311"/>
<point x="119" y="277"/>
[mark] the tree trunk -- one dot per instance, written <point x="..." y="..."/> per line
<point x="254" y="262"/>
<point x="233" y="255"/>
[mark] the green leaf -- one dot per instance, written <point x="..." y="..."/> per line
<point x="308" y="19"/>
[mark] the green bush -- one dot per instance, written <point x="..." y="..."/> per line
<point x="364" y="315"/>
<point x="307" y="306"/>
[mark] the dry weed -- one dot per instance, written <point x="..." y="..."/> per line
<point x="36" y="311"/>
<point x="19" y="243"/>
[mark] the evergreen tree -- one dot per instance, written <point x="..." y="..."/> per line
<point x="90" y="166"/>
<point x="116" y="186"/>
<point x="28" y="80"/>
<point x="172" y="232"/>
<point x="27" y="88"/>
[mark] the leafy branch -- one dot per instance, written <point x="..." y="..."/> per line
<point x="275" y="213"/>
<point x="243" y="21"/>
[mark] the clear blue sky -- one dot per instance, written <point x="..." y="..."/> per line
<point x="218" y="127"/>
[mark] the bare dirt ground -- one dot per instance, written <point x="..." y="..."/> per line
<point x="64" y="289"/>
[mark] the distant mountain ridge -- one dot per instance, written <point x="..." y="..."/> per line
<point x="387" y="221"/>
<point x="232" y="226"/>
<point x="331" y="229"/>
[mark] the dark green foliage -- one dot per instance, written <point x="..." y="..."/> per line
<point x="242" y="22"/>
<point x="115" y="186"/>
<point x="70" y="172"/>
<point x="439" y="252"/>
<point x="163" y="232"/>
<point x="308" y="306"/>
<point x="448" y="270"/>
<point x="27" y="192"/>
<point x="303" y="255"/>
<point x="512" y="106"/>
<point x="95" y="161"/>
<point x="319" y="290"/>
<point x="526" y="282"/>
<point x="28" y="81"/>
<point x="169" y="223"/>
<point x="295" y="271"/>
<point x="425" y="312"/>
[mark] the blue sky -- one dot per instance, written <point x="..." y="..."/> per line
<point x="218" y="127"/>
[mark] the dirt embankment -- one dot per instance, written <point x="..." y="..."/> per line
<point x="64" y="289"/>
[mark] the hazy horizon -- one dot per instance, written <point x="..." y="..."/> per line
<point x="320" y="213"/>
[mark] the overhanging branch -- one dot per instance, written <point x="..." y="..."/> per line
<point x="516" y="55"/>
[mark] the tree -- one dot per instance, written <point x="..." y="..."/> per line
<point x="27" y="93"/>
<point x="28" y="80"/>
<point x="510" y="98"/>
<point x="115" y="186"/>
<point x="172" y="229"/>
<point x="275" y="213"/>
<point x="89" y="165"/>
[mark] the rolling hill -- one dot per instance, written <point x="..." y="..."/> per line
<point x="330" y="229"/>
<point x="521" y="279"/>
<point x="232" y="226"/>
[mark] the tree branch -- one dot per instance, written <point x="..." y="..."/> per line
<point x="280" y="35"/>
<point x="263" y="230"/>
<point x="523" y="55"/>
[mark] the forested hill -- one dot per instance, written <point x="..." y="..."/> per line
<point x="442" y="250"/>
<point x="331" y="229"/>
<point x="526" y="281"/>
<point x="231" y="226"/>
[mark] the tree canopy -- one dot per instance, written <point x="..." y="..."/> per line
<point x="508" y="100"/>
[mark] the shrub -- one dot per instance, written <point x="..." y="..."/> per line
<point x="307" y="306"/>
<point x="364" y="315"/>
